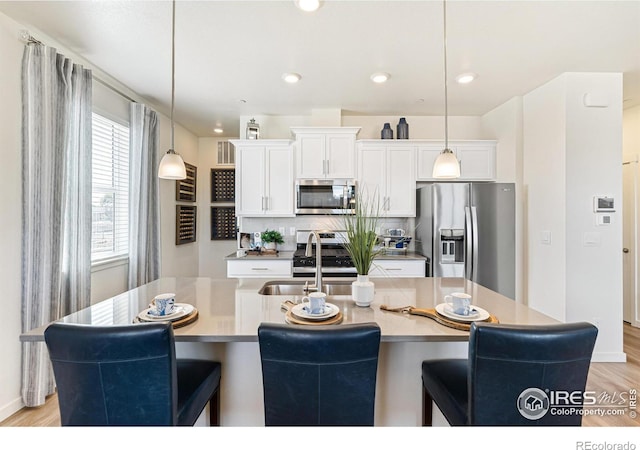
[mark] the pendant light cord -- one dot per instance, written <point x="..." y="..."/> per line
<point x="446" y="108"/>
<point x="173" y="69"/>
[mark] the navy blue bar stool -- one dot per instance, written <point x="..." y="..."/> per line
<point x="128" y="375"/>
<point x="319" y="375"/>
<point x="511" y="375"/>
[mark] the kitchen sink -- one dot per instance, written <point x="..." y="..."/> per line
<point x="287" y="287"/>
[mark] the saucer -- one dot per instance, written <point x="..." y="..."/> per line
<point x="300" y="311"/>
<point x="181" y="310"/>
<point x="479" y="315"/>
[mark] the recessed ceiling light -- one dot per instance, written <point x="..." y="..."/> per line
<point x="308" y="5"/>
<point x="380" y="77"/>
<point x="218" y="130"/>
<point x="465" y="78"/>
<point x="291" y="77"/>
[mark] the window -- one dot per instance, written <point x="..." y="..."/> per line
<point x="110" y="193"/>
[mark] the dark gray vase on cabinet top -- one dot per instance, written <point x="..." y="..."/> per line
<point x="387" y="132"/>
<point x="402" y="129"/>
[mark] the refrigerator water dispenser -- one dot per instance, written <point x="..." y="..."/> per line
<point x="451" y="246"/>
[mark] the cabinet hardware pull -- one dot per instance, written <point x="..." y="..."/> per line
<point x="259" y="268"/>
<point x="392" y="268"/>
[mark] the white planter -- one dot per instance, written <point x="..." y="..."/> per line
<point x="270" y="245"/>
<point x="362" y="291"/>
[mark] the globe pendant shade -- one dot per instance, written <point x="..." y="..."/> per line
<point x="172" y="167"/>
<point x="446" y="165"/>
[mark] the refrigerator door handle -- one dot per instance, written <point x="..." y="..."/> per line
<point x="468" y="238"/>
<point x="474" y="220"/>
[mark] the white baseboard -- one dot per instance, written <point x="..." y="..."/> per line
<point x="11" y="408"/>
<point x="609" y="357"/>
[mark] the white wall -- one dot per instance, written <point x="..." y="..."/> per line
<point x="631" y="131"/>
<point x="211" y="261"/>
<point x="572" y="153"/>
<point x="176" y="260"/>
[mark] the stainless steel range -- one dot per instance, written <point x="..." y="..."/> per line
<point x="336" y="262"/>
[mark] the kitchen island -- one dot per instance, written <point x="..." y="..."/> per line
<point x="230" y="311"/>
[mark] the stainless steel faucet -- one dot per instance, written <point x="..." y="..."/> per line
<point x="309" y="252"/>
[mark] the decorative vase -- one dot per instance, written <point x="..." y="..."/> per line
<point x="270" y="245"/>
<point x="403" y="129"/>
<point x="387" y="132"/>
<point x="362" y="291"/>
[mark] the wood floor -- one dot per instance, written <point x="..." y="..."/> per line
<point x="607" y="378"/>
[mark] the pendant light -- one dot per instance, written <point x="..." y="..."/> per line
<point x="172" y="166"/>
<point x="446" y="164"/>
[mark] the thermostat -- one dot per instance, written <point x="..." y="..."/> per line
<point x="603" y="204"/>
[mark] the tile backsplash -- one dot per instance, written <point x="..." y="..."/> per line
<point x="290" y="225"/>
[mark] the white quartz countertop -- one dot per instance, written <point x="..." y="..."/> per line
<point x="288" y="255"/>
<point x="395" y="256"/>
<point x="230" y="310"/>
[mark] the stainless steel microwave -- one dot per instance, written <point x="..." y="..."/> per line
<point x="336" y="196"/>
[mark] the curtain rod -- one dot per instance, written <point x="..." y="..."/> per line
<point x="27" y="38"/>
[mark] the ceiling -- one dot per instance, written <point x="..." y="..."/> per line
<point x="230" y="55"/>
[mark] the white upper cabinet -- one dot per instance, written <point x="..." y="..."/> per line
<point x="388" y="170"/>
<point x="477" y="159"/>
<point x="325" y="152"/>
<point x="264" y="178"/>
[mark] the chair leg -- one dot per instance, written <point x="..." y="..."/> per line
<point x="214" y="410"/>
<point x="427" y="408"/>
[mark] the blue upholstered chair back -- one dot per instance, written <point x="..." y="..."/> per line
<point x="115" y="375"/>
<point x="505" y="360"/>
<point x="319" y="375"/>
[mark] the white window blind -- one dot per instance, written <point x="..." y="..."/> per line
<point x="226" y="153"/>
<point x="110" y="193"/>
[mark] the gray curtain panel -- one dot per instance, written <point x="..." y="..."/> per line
<point x="56" y="199"/>
<point x="144" y="198"/>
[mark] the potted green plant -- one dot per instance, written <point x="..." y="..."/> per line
<point x="361" y="230"/>
<point x="270" y="239"/>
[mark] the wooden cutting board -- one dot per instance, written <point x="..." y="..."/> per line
<point x="181" y="322"/>
<point x="433" y="314"/>
<point x="293" y="319"/>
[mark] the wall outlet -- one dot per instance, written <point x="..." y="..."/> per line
<point x="292" y="231"/>
<point x="281" y="230"/>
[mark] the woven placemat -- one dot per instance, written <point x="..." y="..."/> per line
<point x="433" y="314"/>
<point x="181" y="322"/>
<point x="293" y="319"/>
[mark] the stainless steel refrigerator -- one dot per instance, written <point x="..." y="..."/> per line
<point x="468" y="230"/>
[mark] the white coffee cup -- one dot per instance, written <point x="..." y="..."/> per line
<point x="314" y="302"/>
<point x="164" y="304"/>
<point x="459" y="302"/>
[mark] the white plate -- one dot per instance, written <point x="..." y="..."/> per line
<point x="300" y="311"/>
<point x="445" y="310"/>
<point x="182" y="310"/>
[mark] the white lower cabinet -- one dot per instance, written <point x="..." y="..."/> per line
<point x="394" y="268"/>
<point x="252" y="268"/>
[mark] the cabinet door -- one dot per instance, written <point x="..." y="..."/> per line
<point x="477" y="161"/>
<point x="397" y="268"/>
<point x="401" y="183"/>
<point x="372" y="174"/>
<point x="250" y="180"/>
<point x="311" y="156"/>
<point x="427" y="155"/>
<point x="279" y="182"/>
<point x="340" y="155"/>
